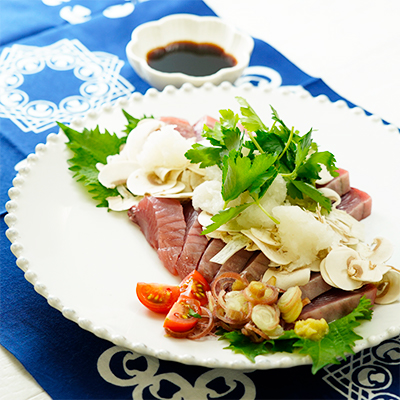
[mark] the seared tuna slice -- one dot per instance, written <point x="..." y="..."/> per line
<point x="163" y="224"/>
<point x="337" y="303"/>
<point x="256" y="267"/>
<point x="356" y="203"/>
<point x="182" y="126"/>
<point x="194" y="242"/>
<point x="207" y="268"/>
<point x="314" y="287"/>
<point x="340" y="184"/>
<point x="235" y="263"/>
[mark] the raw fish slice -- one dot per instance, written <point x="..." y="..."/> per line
<point x="162" y="222"/>
<point x="236" y="263"/>
<point x="206" y="267"/>
<point x="356" y="203"/>
<point x="340" y="184"/>
<point x="182" y="126"/>
<point x="256" y="267"/>
<point x="199" y="125"/>
<point x="337" y="303"/>
<point x="315" y="287"/>
<point x="194" y="243"/>
<point x="210" y="122"/>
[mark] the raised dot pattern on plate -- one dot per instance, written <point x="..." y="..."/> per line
<point x="40" y="285"/>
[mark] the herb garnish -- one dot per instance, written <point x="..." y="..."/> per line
<point x="132" y="122"/>
<point x="252" y="164"/>
<point x="193" y="313"/>
<point x="91" y="147"/>
<point x="337" y="343"/>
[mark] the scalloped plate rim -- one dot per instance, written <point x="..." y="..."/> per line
<point x="239" y="362"/>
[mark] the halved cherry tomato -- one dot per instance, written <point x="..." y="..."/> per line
<point x="157" y="297"/>
<point x="182" y="317"/>
<point x="195" y="286"/>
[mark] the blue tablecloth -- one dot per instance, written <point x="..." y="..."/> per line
<point x="58" y="60"/>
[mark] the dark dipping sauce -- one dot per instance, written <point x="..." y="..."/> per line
<point x="190" y="58"/>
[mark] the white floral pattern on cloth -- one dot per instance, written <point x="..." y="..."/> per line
<point x="53" y="3"/>
<point x="119" y="10"/>
<point x="260" y="75"/>
<point x="366" y="376"/>
<point x="151" y="380"/>
<point x="98" y="73"/>
<point x="78" y="14"/>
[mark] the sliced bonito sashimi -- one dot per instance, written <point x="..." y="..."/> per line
<point x="181" y="125"/>
<point x="235" y="263"/>
<point x="340" y="184"/>
<point x="256" y="267"/>
<point x="206" y="267"/>
<point x="356" y="203"/>
<point x="194" y="242"/>
<point x="162" y="222"/>
<point x="315" y="287"/>
<point x="336" y="303"/>
<point x="199" y="125"/>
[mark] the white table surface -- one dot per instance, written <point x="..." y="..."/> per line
<point x="353" y="45"/>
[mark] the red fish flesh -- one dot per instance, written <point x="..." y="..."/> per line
<point x="194" y="243"/>
<point x="206" y="267"/>
<point x="314" y="287"/>
<point x="340" y="184"/>
<point x="182" y="126"/>
<point x="163" y="224"/>
<point x="356" y="203"/>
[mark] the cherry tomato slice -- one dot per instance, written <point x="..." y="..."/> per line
<point x="195" y="286"/>
<point x="182" y="317"/>
<point x="157" y="297"/>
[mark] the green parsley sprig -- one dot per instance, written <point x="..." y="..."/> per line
<point x="251" y="160"/>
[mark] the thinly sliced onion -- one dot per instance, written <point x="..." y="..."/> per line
<point x="218" y="284"/>
<point x="237" y="323"/>
<point x="204" y="326"/>
<point x="179" y="335"/>
<point x="227" y="327"/>
<point x="252" y="328"/>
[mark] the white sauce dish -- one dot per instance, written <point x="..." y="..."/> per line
<point x="196" y="30"/>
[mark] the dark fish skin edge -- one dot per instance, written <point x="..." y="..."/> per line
<point x="336" y="303"/>
<point x="315" y="287"/>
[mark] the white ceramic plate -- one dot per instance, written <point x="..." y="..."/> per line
<point x="86" y="261"/>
